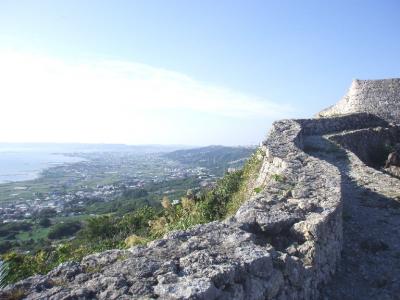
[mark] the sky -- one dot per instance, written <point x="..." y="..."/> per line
<point x="183" y="72"/>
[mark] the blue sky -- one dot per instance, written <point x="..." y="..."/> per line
<point x="183" y="72"/>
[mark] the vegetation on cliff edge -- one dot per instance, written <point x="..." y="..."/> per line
<point x="138" y="227"/>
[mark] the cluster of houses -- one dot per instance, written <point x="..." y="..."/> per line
<point x="21" y="208"/>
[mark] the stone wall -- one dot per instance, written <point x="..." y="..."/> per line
<point x="371" y="145"/>
<point x="283" y="243"/>
<point x="379" y="97"/>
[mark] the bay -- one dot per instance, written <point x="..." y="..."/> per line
<point x="27" y="164"/>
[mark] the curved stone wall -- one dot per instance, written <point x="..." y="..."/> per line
<point x="371" y="145"/>
<point x="379" y="97"/>
<point x="283" y="243"/>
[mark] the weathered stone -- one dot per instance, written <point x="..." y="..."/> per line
<point x="378" y="97"/>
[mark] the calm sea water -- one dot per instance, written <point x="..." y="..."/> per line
<point x="23" y="164"/>
<point x="19" y="162"/>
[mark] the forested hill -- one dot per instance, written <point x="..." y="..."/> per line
<point x="217" y="158"/>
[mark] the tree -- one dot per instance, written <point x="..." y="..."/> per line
<point x="45" y="222"/>
<point x="62" y="230"/>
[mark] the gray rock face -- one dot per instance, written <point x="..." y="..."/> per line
<point x="378" y="97"/>
<point x="283" y="243"/>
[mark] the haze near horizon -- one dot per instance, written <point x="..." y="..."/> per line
<point x="174" y="72"/>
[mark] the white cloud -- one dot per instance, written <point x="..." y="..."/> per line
<point x="48" y="99"/>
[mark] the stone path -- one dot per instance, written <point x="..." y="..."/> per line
<point x="370" y="265"/>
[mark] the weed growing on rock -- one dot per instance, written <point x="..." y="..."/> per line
<point x="278" y="177"/>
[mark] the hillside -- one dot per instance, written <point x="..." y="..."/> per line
<point x="217" y="158"/>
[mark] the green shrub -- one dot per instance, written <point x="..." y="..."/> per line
<point x="250" y="173"/>
<point x="257" y="190"/>
<point x="62" y="230"/>
<point x="222" y="201"/>
<point x="13" y="228"/>
<point x="278" y="177"/>
<point x="115" y="228"/>
<point x="137" y="227"/>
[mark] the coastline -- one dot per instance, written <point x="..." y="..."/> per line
<point x="25" y="166"/>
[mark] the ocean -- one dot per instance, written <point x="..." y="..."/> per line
<point x="24" y="163"/>
<point x="19" y="162"/>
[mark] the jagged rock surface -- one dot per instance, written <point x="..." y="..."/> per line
<point x="286" y="242"/>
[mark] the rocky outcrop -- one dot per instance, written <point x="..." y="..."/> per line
<point x="285" y="242"/>
<point x="392" y="163"/>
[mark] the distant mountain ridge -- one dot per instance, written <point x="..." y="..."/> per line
<point x="216" y="156"/>
<point x="76" y="147"/>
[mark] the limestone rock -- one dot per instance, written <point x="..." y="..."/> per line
<point x="378" y="97"/>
